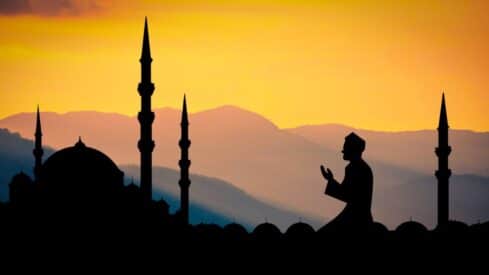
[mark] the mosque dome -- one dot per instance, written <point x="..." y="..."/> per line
<point x="21" y="188"/>
<point x="299" y="230"/>
<point x="235" y="231"/>
<point x="411" y="228"/>
<point x="267" y="231"/>
<point x="21" y="179"/>
<point x="80" y="171"/>
<point x="235" y="227"/>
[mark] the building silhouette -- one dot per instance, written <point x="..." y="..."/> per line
<point x="82" y="185"/>
<point x="38" y="151"/>
<point x="236" y="232"/>
<point x="82" y="181"/>
<point x="73" y="174"/>
<point x="266" y="232"/>
<point x="411" y="229"/>
<point x="146" y="117"/>
<point x="21" y="189"/>
<point x="184" y="164"/>
<point x="443" y="173"/>
<point x="299" y="231"/>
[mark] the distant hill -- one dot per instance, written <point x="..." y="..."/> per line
<point x="417" y="200"/>
<point x="220" y="197"/>
<point x="281" y="166"/>
<point x="15" y="156"/>
<point x="212" y="200"/>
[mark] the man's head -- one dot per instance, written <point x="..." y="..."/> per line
<point x="353" y="147"/>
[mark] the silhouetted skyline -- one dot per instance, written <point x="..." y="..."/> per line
<point x="146" y="117"/>
<point x="443" y="173"/>
<point x="81" y="189"/>
<point x="184" y="164"/>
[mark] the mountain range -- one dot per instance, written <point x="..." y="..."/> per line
<point x="281" y="166"/>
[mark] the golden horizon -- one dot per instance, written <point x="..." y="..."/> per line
<point x="378" y="67"/>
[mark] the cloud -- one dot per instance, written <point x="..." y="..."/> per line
<point x="14" y="6"/>
<point x="47" y="7"/>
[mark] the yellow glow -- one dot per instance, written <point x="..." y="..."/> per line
<point x="374" y="65"/>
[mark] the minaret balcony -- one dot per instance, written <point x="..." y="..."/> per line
<point x="184" y="183"/>
<point x="443" y="174"/>
<point x="184" y="143"/>
<point x="184" y="163"/>
<point x="146" y="145"/>
<point x="146" y="117"/>
<point x="146" y="88"/>
<point x="443" y="151"/>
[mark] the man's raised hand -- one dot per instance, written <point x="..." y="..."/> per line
<point x="327" y="174"/>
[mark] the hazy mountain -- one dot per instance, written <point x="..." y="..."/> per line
<point x="274" y="165"/>
<point x="212" y="200"/>
<point x="220" y="197"/>
<point x="410" y="149"/>
<point x="15" y="156"/>
<point x="417" y="200"/>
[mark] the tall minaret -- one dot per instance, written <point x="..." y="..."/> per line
<point x="443" y="173"/>
<point x="38" y="151"/>
<point x="146" y="117"/>
<point x="184" y="164"/>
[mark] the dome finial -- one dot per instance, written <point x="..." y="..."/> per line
<point x="80" y="142"/>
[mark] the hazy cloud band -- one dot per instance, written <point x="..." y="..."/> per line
<point x="47" y="7"/>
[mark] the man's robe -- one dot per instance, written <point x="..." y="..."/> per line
<point x="356" y="191"/>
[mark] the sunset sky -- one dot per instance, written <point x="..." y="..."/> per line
<point x="370" y="64"/>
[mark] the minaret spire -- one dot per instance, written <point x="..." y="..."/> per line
<point x="443" y="173"/>
<point x="146" y="52"/>
<point x="146" y="117"/>
<point x="184" y="110"/>
<point x="443" y="122"/>
<point x="184" y="164"/>
<point x="38" y="121"/>
<point x="38" y="151"/>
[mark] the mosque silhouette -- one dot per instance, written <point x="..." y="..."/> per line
<point x="80" y="189"/>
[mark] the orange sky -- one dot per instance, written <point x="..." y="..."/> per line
<point x="369" y="64"/>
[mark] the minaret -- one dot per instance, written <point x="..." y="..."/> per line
<point x="443" y="173"/>
<point x="146" y="118"/>
<point x="38" y="151"/>
<point x="184" y="164"/>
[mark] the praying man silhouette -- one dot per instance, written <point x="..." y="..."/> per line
<point x="356" y="188"/>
